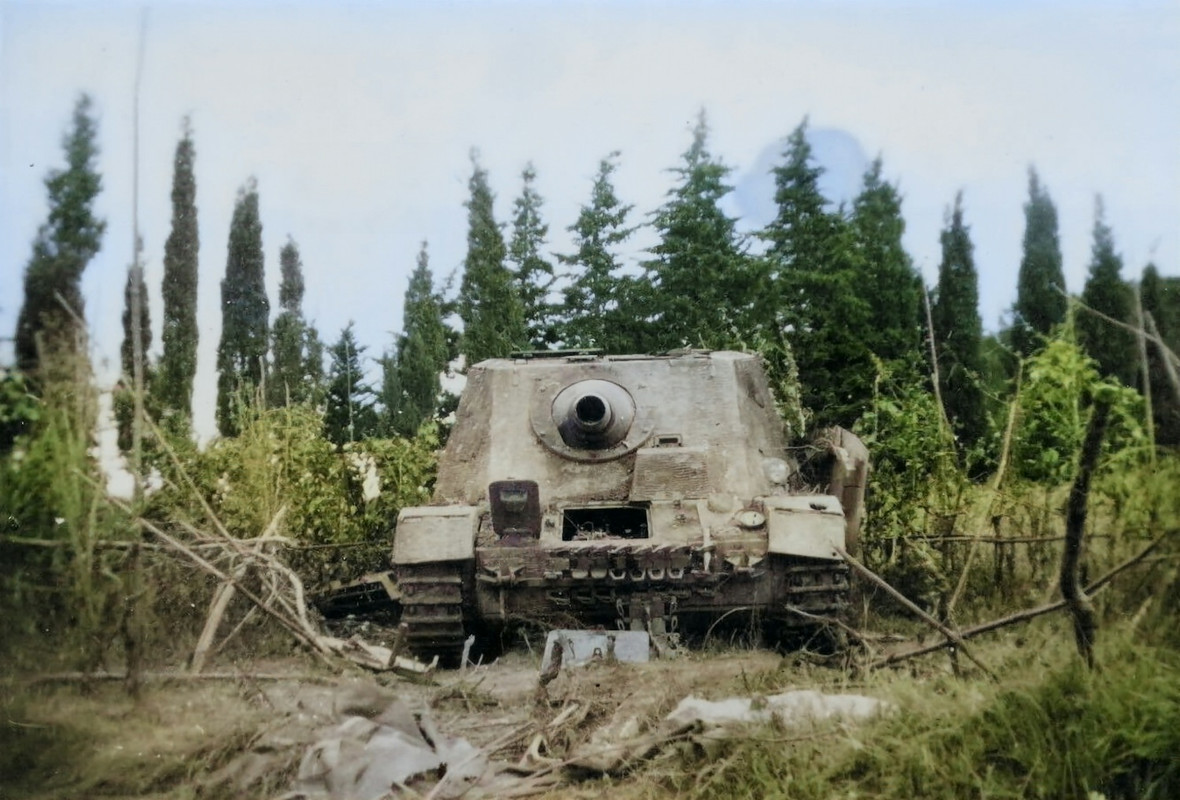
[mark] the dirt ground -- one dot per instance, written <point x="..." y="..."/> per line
<point x="243" y="731"/>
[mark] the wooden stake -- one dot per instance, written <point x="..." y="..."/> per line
<point x="1076" y="600"/>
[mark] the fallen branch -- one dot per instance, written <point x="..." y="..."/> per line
<point x="1031" y="613"/>
<point x="101" y="544"/>
<point x="176" y="677"/>
<point x="954" y="639"/>
<point x="225" y="594"/>
<point x="305" y="634"/>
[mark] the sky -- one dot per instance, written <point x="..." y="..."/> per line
<point x="357" y="120"/>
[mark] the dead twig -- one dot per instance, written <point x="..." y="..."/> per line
<point x="954" y="639"/>
<point x="224" y="595"/>
<point x="176" y="677"/>
<point x="1031" y="613"/>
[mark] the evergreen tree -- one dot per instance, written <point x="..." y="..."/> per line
<point x="392" y="398"/>
<point x="314" y="367"/>
<point x="701" y="277"/>
<point x="958" y="331"/>
<point x="178" y="364"/>
<point x="489" y="304"/>
<point x="349" y="415"/>
<point x="892" y="288"/>
<point x="241" y="355"/>
<point x="124" y="397"/>
<point x="64" y="245"/>
<point x="1114" y="348"/>
<point x="289" y="382"/>
<point x="1160" y="298"/>
<point x="533" y="274"/>
<point x="411" y="386"/>
<point x="591" y="315"/>
<point x="1040" y="303"/>
<point x="814" y="290"/>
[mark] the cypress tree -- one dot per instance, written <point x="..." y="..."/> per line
<point x="489" y="304"/>
<point x="814" y="290"/>
<point x="178" y="364"/>
<point x="349" y="415"/>
<point x="533" y="274"/>
<point x="64" y="245"/>
<point x="1113" y="347"/>
<point x="411" y="387"/>
<point x="591" y="315"/>
<point x="314" y="367"/>
<point x="958" y="331"/>
<point x="241" y="355"/>
<point x="701" y="278"/>
<point x="1040" y="303"/>
<point x="124" y="398"/>
<point x="891" y="287"/>
<point x="289" y="382"/>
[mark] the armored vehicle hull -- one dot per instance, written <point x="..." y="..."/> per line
<point x="649" y="493"/>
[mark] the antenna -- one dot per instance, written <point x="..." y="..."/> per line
<point x="136" y="277"/>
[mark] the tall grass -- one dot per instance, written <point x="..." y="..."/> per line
<point x="1064" y="733"/>
<point x="52" y="491"/>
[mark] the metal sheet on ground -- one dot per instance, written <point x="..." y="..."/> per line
<point x="580" y="647"/>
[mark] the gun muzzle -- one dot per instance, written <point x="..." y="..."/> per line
<point x="593" y="414"/>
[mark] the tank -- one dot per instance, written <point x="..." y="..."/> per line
<point x="640" y="492"/>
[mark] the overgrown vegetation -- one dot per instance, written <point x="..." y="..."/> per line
<point x="972" y="457"/>
<point x="1054" y="731"/>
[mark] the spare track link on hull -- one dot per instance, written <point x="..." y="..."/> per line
<point x="432" y="608"/>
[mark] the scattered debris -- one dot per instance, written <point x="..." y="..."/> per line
<point x="580" y="647"/>
<point x="363" y="759"/>
<point x="790" y="709"/>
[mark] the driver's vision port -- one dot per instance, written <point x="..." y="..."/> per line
<point x="623" y="522"/>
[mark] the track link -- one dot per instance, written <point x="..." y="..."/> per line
<point x="432" y="608"/>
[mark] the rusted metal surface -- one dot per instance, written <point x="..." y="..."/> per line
<point x="628" y="493"/>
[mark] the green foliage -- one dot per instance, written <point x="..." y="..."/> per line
<point x="592" y="313"/>
<point x="958" y="331"/>
<point x="782" y="372"/>
<point x="124" y="398"/>
<point x="1059" y="386"/>
<point x="1040" y="302"/>
<point x="915" y="478"/>
<point x="289" y="381"/>
<point x="19" y="409"/>
<point x="1113" y="347"/>
<point x="533" y="274"/>
<point x="349" y="415"/>
<point x="891" y="286"/>
<point x="64" y="245"/>
<point x="280" y="458"/>
<point x="701" y="279"/>
<point x="489" y="303"/>
<point x="411" y="383"/>
<point x="52" y="489"/>
<point x="178" y="364"/>
<point x="241" y="355"/>
<point x="812" y="284"/>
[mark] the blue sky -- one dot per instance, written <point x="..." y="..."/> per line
<point x="357" y="119"/>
